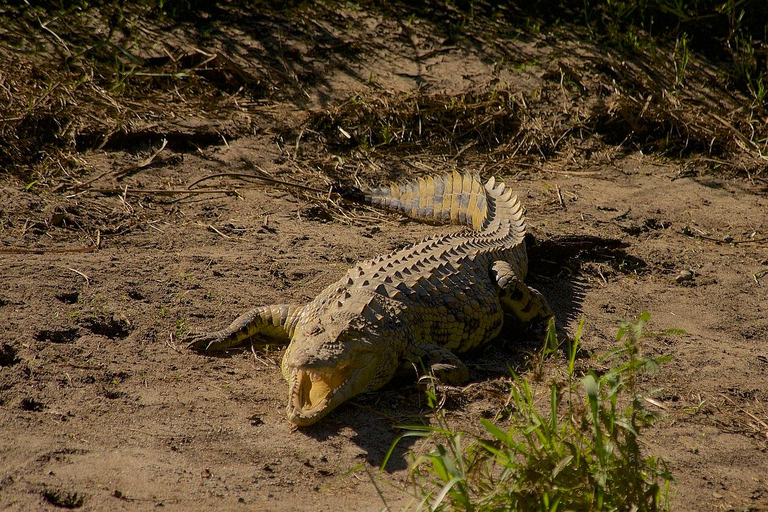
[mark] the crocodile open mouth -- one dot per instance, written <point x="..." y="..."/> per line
<point x="312" y="390"/>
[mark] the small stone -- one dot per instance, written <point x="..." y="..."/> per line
<point x="685" y="275"/>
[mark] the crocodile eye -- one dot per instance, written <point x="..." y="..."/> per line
<point x="316" y="330"/>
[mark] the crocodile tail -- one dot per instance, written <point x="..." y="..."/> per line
<point x="453" y="198"/>
<point x="505" y="213"/>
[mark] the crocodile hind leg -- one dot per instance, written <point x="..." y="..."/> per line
<point x="274" y="322"/>
<point x="516" y="297"/>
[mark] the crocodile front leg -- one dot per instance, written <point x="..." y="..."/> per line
<point x="441" y="362"/>
<point x="275" y="322"/>
<point x="516" y="297"/>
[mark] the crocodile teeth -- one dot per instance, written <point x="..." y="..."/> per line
<point x="313" y="388"/>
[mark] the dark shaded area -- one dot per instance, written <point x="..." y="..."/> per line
<point x="556" y="268"/>
<point x="34" y="132"/>
<point x="8" y="355"/>
<point x="217" y="69"/>
<point x="58" y="336"/>
<point x="135" y="294"/>
<point x="68" y="297"/>
<point x="563" y="249"/>
<point x="657" y="129"/>
<point x="412" y="122"/>
<point x="112" y="394"/>
<point x="63" y="499"/>
<point x="565" y="255"/>
<point x="374" y="417"/>
<point x="731" y="33"/>
<point x="61" y="455"/>
<point x="109" y="327"/>
<point x="181" y="141"/>
<point x="32" y="404"/>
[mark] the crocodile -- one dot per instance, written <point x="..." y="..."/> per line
<point x="420" y="305"/>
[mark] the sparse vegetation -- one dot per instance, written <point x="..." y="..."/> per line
<point x="96" y="91"/>
<point x="730" y="32"/>
<point x="582" y="452"/>
<point x="78" y="74"/>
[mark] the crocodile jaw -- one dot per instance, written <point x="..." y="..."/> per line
<point x="314" y="392"/>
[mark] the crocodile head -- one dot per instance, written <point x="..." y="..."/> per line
<point x="325" y="365"/>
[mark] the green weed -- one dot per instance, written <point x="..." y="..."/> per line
<point x="579" y="453"/>
<point x="682" y="57"/>
<point x="181" y="328"/>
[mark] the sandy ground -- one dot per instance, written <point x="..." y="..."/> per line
<point x="100" y="402"/>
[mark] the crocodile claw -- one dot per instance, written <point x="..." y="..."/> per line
<point x="203" y="342"/>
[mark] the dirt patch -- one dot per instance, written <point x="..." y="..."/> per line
<point x="126" y="224"/>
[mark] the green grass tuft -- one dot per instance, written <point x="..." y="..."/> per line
<point x="581" y="452"/>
